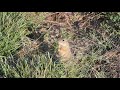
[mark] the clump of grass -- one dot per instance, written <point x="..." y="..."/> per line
<point x="40" y="66"/>
<point x="112" y="27"/>
<point x="12" y="28"/>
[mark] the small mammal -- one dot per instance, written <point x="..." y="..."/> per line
<point x="64" y="50"/>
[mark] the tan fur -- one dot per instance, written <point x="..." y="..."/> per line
<point x="64" y="50"/>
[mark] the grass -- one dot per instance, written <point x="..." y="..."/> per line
<point x="14" y="26"/>
<point x="40" y="66"/>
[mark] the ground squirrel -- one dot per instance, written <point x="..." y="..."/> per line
<point x="64" y="50"/>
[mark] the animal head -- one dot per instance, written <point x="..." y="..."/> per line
<point x="63" y="42"/>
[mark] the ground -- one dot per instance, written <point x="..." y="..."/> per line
<point x="29" y="44"/>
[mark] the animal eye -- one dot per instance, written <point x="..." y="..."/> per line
<point x="63" y="40"/>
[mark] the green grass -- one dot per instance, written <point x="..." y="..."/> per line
<point x="41" y="66"/>
<point x="13" y="27"/>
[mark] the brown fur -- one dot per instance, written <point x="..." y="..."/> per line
<point x="64" y="50"/>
